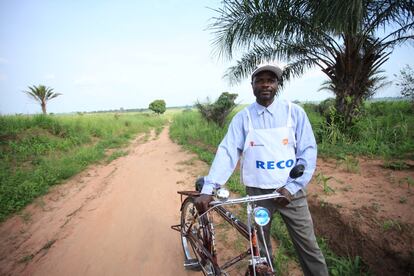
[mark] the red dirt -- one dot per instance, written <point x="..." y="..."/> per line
<point x="115" y="219"/>
<point x="369" y="213"/>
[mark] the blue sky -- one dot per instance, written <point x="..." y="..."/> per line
<point x="110" y="54"/>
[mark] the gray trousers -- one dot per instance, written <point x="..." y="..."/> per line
<point x="299" y="224"/>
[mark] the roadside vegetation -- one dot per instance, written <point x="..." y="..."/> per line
<point x="39" y="151"/>
<point x="385" y="131"/>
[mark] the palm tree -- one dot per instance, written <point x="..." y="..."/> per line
<point x="348" y="40"/>
<point x="41" y="94"/>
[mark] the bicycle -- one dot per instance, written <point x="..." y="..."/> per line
<point x="197" y="231"/>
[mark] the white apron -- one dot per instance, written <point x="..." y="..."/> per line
<point x="268" y="155"/>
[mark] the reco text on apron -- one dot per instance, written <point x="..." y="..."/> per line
<point x="268" y="155"/>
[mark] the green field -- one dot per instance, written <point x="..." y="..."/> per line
<point x="39" y="151"/>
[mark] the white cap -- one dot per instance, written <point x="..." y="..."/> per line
<point x="268" y="67"/>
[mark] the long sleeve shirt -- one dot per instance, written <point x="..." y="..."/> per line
<point x="275" y="115"/>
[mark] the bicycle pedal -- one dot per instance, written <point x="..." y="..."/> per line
<point x="192" y="264"/>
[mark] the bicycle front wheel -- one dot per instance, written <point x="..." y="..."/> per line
<point x="261" y="270"/>
<point x="196" y="239"/>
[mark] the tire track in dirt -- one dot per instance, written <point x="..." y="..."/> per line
<point x="109" y="220"/>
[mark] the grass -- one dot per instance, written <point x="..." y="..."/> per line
<point x="39" y="151"/>
<point x="349" y="163"/>
<point x="385" y="130"/>
<point x="407" y="180"/>
<point x="396" y="165"/>
<point x="322" y="179"/>
<point x="391" y="224"/>
<point x="338" y="265"/>
<point x="115" y="155"/>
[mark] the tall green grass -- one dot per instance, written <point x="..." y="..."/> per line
<point x="196" y="134"/>
<point x="39" y="151"/>
<point x="384" y="130"/>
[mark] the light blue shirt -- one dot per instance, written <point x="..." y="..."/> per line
<point x="275" y="115"/>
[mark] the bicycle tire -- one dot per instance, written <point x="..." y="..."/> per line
<point x="189" y="217"/>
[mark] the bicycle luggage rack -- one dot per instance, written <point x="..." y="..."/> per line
<point x="188" y="193"/>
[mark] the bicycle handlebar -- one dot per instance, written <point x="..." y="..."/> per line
<point x="245" y="199"/>
<point x="217" y="203"/>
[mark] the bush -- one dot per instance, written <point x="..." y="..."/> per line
<point x="218" y="111"/>
<point x="158" y="106"/>
<point x="325" y="107"/>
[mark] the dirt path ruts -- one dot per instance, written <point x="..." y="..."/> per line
<point x="110" y="220"/>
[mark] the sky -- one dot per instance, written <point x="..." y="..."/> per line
<point x="108" y="54"/>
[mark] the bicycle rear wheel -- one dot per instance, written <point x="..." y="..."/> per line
<point x="191" y="224"/>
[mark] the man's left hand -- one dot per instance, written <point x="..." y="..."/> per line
<point x="285" y="200"/>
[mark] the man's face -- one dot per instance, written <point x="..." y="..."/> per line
<point x="264" y="86"/>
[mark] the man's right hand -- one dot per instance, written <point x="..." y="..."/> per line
<point x="202" y="202"/>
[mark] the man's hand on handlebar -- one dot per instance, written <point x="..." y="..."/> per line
<point x="285" y="200"/>
<point x="202" y="202"/>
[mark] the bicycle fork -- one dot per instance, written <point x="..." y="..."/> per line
<point x="256" y="259"/>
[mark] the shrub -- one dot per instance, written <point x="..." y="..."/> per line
<point x="158" y="106"/>
<point x="325" y="107"/>
<point x="218" y="111"/>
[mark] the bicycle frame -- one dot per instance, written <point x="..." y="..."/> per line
<point x="206" y="250"/>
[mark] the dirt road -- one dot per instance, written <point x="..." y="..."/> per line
<point x="110" y="220"/>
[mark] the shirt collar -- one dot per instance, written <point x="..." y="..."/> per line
<point x="260" y="108"/>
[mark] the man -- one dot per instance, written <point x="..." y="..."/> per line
<point x="272" y="136"/>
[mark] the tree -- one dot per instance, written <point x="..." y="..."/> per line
<point x="405" y="80"/>
<point x="340" y="37"/>
<point x="42" y="95"/>
<point x="158" y="106"/>
<point x="218" y="111"/>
